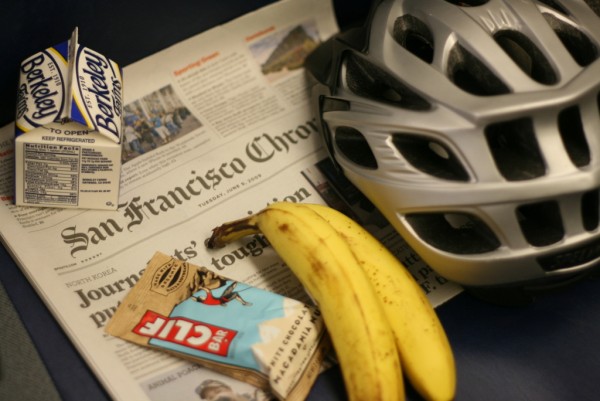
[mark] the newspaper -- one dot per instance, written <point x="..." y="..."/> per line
<point x="218" y="126"/>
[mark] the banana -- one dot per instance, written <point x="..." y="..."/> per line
<point x="425" y="352"/>
<point x="324" y="263"/>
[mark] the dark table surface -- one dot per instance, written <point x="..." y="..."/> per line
<point x="545" y="351"/>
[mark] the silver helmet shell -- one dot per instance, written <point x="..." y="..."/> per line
<point x="474" y="127"/>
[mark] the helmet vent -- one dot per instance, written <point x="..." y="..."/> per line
<point x="526" y="55"/>
<point x="581" y="48"/>
<point x="594" y="5"/>
<point x="573" y="136"/>
<point x="590" y="209"/>
<point x="458" y="233"/>
<point x="541" y="223"/>
<point x="430" y="156"/>
<point x="471" y="75"/>
<point x="515" y="149"/>
<point x="370" y="81"/>
<point x="412" y="34"/>
<point x="468" y="3"/>
<point x="355" y="147"/>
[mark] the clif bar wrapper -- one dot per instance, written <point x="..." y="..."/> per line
<point x="270" y="341"/>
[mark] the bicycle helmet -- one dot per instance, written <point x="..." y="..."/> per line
<point x="474" y="127"/>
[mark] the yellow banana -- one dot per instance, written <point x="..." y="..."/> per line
<point x="425" y="352"/>
<point x="326" y="266"/>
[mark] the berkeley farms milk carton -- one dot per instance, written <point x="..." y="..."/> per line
<point x="68" y="129"/>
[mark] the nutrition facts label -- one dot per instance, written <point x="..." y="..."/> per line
<point x="51" y="174"/>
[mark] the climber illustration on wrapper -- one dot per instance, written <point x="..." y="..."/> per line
<point x="207" y="282"/>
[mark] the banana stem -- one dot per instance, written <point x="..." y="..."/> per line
<point x="232" y="231"/>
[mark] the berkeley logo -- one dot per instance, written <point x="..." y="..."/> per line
<point x="40" y="93"/>
<point x="100" y="89"/>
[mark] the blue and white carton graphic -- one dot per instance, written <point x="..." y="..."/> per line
<point x="68" y="129"/>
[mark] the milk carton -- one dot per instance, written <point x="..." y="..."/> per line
<point x="68" y="129"/>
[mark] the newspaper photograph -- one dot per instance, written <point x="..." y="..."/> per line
<point x="215" y="127"/>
